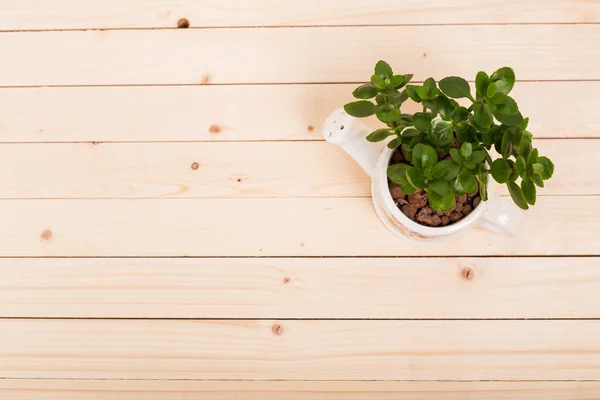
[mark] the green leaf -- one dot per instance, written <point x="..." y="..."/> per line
<point x="469" y="164"/>
<point x="378" y="81"/>
<point x="430" y="88"/>
<point x="457" y="187"/>
<point x="397" y="81"/>
<point x="440" y="133"/>
<point x="460" y="114"/>
<point x="466" y="149"/>
<point x="411" y="91"/>
<point x="360" y="109"/>
<point x="366" y="91"/>
<point x="517" y="195"/>
<point x="387" y="113"/>
<point x="500" y="170"/>
<point x="491" y="90"/>
<point x="499" y="98"/>
<point x="407" y="188"/>
<point x="532" y="158"/>
<point x="521" y="166"/>
<point x="482" y="115"/>
<point x="417" y="152"/>
<point x="383" y="69"/>
<point x="379" y="135"/>
<point x="402" y="97"/>
<point x="504" y="78"/>
<point x="456" y="87"/>
<point x="506" y="146"/>
<point x="452" y="169"/>
<point x="508" y="113"/>
<point x="380" y="99"/>
<point x="441" y="202"/>
<point x="397" y="173"/>
<point x="455" y="154"/>
<point x="468" y="181"/>
<point x="482" y="80"/>
<point x="482" y="178"/>
<point x="421" y="121"/>
<point x="538" y="168"/>
<point x="478" y="156"/>
<point x="440" y="186"/>
<point x="421" y="92"/>
<point x="525" y="146"/>
<point x="528" y="189"/>
<point x="548" y="167"/>
<point x="537" y="179"/>
<point x="428" y="156"/>
<point x="466" y="135"/>
<point x="415" y="177"/>
<point x="394" y="143"/>
<point x="439" y="169"/>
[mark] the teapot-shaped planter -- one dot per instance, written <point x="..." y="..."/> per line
<point x="349" y="133"/>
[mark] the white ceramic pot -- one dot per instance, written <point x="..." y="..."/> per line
<point x="349" y="133"/>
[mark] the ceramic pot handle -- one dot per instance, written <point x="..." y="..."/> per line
<point x="349" y="133"/>
<point x="502" y="216"/>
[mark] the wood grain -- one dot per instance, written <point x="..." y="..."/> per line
<point x="200" y="170"/>
<point x="283" y="55"/>
<point x="203" y="113"/>
<point x="65" y="389"/>
<point x="269" y="227"/>
<point x="301" y="350"/>
<point x="77" y="14"/>
<point x="301" y="288"/>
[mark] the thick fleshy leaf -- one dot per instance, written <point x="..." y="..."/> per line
<point x="500" y="170"/>
<point x="440" y="186"/>
<point x="455" y="87"/>
<point x="452" y="169"/>
<point x="383" y="69"/>
<point x="394" y="143"/>
<point x="537" y="179"/>
<point x="407" y="188"/>
<point x="360" y="109"/>
<point x="538" y="168"/>
<point x="521" y="166"/>
<point x="548" y="167"/>
<point x="439" y="169"/>
<point x="379" y="135"/>
<point x="440" y="202"/>
<point x="397" y="173"/>
<point x="482" y="115"/>
<point x="528" y="189"/>
<point x="482" y="80"/>
<point x="428" y="156"/>
<point x="378" y="81"/>
<point x="440" y="133"/>
<point x="517" y="195"/>
<point x="482" y="178"/>
<point x="457" y="187"/>
<point x="466" y="149"/>
<point x="366" y="91"/>
<point x="387" y="113"/>
<point x="468" y="181"/>
<point x="415" y="177"/>
<point x="411" y="91"/>
<point x="398" y="81"/>
<point x="456" y="157"/>
<point x="504" y="78"/>
<point x="421" y="121"/>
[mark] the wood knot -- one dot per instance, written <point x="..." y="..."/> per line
<point x="206" y="78"/>
<point x="424" y="54"/>
<point x="183" y="23"/>
<point x="286" y="280"/>
<point x="214" y="128"/>
<point x="277" y="329"/>
<point x="46" y="235"/>
<point x="467" y="273"/>
<point x="195" y="166"/>
<point x="310" y="128"/>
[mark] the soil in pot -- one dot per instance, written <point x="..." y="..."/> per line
<point x="416" y="206"/>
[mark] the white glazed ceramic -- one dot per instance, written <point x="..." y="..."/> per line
<point x="349" y="133"/>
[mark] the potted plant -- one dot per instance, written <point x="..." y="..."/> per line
<point x="438" y="160"/>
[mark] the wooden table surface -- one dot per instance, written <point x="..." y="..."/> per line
<point x="173" y="226"/>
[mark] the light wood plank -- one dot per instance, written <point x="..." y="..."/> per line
<point x="537" y="52"/>
<point x="270" y="227"/>
<point x="96" y="14"/>
<point x="198" y="170"/>
<point x="37" y="389"/>
<point x="301" y="350"/>
<point x="301" y="288"/>
<point x="203" y="113"/>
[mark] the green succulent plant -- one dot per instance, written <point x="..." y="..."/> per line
<point x="445" y="127"/>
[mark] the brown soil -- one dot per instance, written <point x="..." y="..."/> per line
<point x="416" y="206"/>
